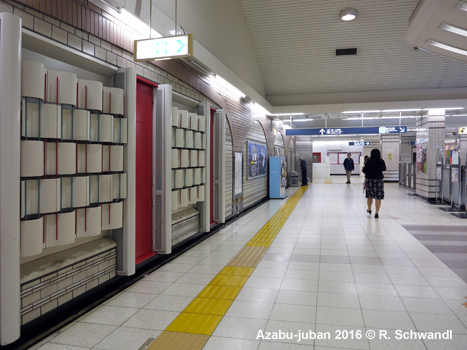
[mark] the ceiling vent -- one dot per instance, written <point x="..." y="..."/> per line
<point x="346" y="52"/>
<point x="462" y="5"/>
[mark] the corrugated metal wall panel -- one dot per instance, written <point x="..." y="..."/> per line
<point x="228" y="170"/>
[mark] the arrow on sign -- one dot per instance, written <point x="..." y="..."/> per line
<point x="401" y="129"/>
<point x="322" y="131"/>
<point x="182" y="45"/>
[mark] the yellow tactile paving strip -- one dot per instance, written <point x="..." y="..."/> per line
<point x="178" y="341"/>
<point x="248" y="257"/>
<point x="195" y="324"/>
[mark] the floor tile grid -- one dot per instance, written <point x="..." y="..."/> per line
<point x="391" y="239"/>
<point x="205" y="312"/>
<point x="387" y="232"/>
<point x="72" y="331"/>
<point x="377" y="240"/>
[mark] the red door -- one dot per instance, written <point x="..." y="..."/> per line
<point x="143" y="215"/>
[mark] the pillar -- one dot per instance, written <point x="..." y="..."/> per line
<point x="10" y="102"/>
<point x="390" y="151"/>
<point x="462" y="149"/>
<point x="430" y="139"/>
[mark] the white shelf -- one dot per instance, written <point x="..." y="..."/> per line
<point x="66" y="83"/>
<point x="33" y="79"/>
<point x="90" y="93"/>
<point x="32" y="158"/>
<point x="31" y="237"/>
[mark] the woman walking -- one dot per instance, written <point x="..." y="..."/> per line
<point x="374" y="185"/>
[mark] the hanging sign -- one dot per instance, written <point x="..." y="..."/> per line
<point x="348" y="131"/>
<point x="179" y="46"/>
<point x="359" y="143"/>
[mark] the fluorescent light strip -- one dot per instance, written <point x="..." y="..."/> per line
<point x="446" y="47"/>
<point x="135" y="24"/>
<point x="462" y="5"/>
<point x="453" y="29"/>
<point x="360" y="118"/>
<point x="372" y="111"/>
<point x="401" y="110"/>
<point x="285" y="114"/>
<point x="402" y="116"/>
<point x="224" y="86"/>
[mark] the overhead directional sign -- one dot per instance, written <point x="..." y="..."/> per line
<point x="348" y="131"/>
<point x="359" y="143"/>
<point x="179" y="46"/>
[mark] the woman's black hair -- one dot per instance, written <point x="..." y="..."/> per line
<point x="375" y="154"/>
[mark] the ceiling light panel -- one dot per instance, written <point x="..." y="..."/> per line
<point x="453" y="29"/>
<point x="446" y="47"/>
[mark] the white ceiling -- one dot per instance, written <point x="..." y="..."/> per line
<point x="285" y="49"/>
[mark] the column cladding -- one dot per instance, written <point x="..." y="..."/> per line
<point x="430" y="138"/>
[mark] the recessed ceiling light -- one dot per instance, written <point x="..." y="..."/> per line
<point x="348" y="14"/>
<point x="453" y="29"/>
<point x="447" y="47"/>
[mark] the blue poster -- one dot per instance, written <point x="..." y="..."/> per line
<point x="257" y="160"/>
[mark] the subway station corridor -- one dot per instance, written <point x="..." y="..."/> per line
<point x="331" y="269"/>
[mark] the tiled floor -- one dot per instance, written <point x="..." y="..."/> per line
<point x="332" y="270"/>
<point x="447" y="243"/>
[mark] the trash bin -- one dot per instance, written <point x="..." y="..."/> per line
<point x="294" y="179"/>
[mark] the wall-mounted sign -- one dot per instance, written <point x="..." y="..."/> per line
<point x="462" y="129"/>
<point x="347" y="131"/>
<point x="179" y="46"/>
<point x="439" y="173"/>
<point x="359" y="143"/>
<point x="238" y="173"/>
<point x="455" y="175"/>
<point x="257" y="160"/>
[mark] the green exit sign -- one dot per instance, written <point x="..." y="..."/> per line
<point x="179" y="46"/>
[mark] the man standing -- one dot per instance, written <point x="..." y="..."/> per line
<point x="349" y="167"/>
<point x="303" y="168"/>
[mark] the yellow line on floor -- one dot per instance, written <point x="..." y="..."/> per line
<point x="203" y="314"/>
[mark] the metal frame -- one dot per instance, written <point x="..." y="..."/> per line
<point x="162" y="215"/>
<point x="218" y="170"/>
